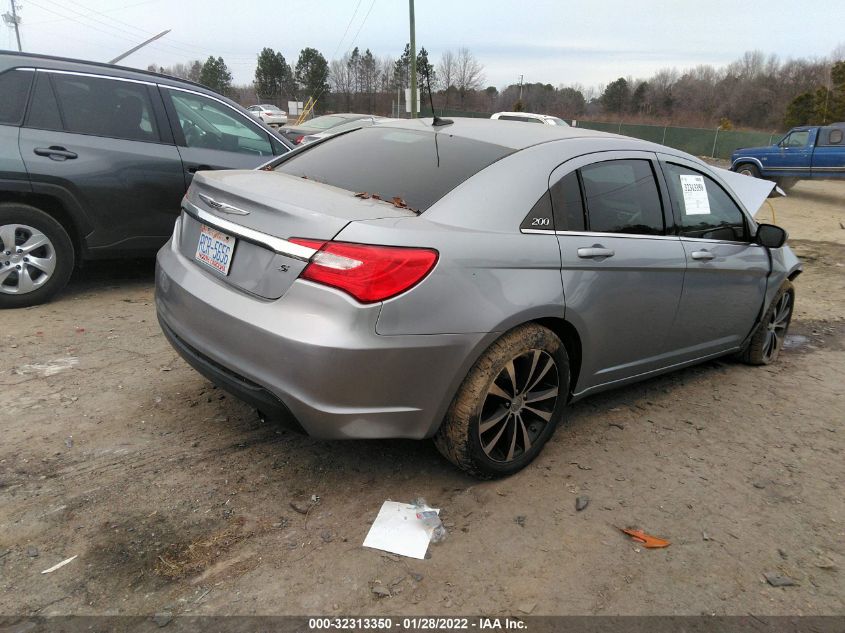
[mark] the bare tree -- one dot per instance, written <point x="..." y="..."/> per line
<point x="446" y="73"/>
<point x="469" y="73"/>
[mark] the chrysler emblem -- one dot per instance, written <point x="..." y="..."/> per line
<point x="222" y="206"/>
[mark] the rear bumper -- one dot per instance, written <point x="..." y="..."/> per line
<point x="314" y="353"/>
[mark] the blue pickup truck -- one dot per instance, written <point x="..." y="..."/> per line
<point x="809" y="151"/>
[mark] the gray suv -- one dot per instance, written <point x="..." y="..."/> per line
<point x="94" y="159"/>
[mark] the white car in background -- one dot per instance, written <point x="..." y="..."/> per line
<point x="345" y="127"/>
<point x="528" y="117"/>
<point x="270" y="114"/>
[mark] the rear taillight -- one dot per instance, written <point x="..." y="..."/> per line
<point x="368" y="272"/>
<point x="298" y="139"/>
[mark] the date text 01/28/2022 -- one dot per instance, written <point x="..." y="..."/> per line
<point x="215" y="249"/>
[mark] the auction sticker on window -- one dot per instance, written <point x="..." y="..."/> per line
<point x="695" y="195"/>
<point x="215" y="249"/>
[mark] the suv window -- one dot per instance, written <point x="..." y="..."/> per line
<point x="420" y="167"/>
<point x="706" y="210"/>
<point x="105" y="107"/>
<point x="622" y="197"/>
<point x="43" y="109"/>
<point x="208" y="124"/>
<point x="14" y="88"/>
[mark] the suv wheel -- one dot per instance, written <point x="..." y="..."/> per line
<point x="509" y="404"/>
<point x="36" y="256"/>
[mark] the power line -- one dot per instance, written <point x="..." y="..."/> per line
<point x="348" y="24"/>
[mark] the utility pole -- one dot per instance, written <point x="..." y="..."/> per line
<point x="520" y="88"/>
<point x="413" y="63"/>
<point x="140" y="46"/>
<point x="15" y="21"/>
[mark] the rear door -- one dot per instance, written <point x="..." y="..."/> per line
<point x="211" y="134"/>
<point x="104" y="141"/>
<point x="14" y="88"/>
<point x="726" y="276"/>
<point x="622" y="269"/>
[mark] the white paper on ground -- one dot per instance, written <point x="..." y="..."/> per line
<point x="398" y="530"/>
<point x="696" y="201"/>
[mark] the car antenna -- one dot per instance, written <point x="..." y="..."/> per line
<point x="436" y="121"/>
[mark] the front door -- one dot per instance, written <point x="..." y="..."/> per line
<point x="213" y="135"/>
<point x="726" y="277"/>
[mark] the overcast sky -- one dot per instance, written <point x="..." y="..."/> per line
<point x="557" y="42"/>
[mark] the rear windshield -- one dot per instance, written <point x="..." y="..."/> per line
<point x="324" y="122"/>
<point x="418" y="166"/>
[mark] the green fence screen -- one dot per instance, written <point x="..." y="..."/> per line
<point x="696" y="141"/>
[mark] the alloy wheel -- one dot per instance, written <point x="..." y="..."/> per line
<point x="518" y="405"/>
<point x="27" y="259"/>
<point x="777" y="325"/>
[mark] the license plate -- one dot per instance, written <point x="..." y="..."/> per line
<point x="215" y="249"/>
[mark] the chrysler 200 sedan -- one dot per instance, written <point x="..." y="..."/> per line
<point x="466" y="280"/>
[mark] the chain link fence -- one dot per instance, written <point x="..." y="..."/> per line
<point x="696" y="141"/>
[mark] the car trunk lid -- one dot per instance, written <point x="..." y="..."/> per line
<point x="254" y="213"/>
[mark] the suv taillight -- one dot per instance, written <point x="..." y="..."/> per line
<point x="368" y="272"/>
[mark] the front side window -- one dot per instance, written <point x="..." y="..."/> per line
<point x="622" y="197"/>
<point x="14" y="88"/>
<point x="706" y="210"/>
<point x="208" y="124"/>
<point x="105" y="107"/>
<point x="796" y="139"/>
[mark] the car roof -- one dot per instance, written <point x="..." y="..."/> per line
<point x="11" y="59"/>
<point x="511" y="134"/>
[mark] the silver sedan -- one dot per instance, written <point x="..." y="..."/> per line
<point x="466" y="280"/>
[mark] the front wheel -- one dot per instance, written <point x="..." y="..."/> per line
<point x="36" y="256"/>
<point x="767" y="341"/>
<point x="508" y="405"/>
<point x="748" y="169"/>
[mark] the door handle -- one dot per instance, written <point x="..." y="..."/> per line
<point x="595" y="252"/>
<point x="195" y="168"/>
<point x="54" y="152"/>
<point x="702" y="255"/>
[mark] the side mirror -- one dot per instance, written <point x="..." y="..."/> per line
<point x="771" y="236"/>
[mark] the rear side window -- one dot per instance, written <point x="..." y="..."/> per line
<point x="43" y="109"/>
<point x="568" y="204"/>
<point x="834" y="137"/>
<point x="706" y="210"/>
<point x="420" y="167"/>
<point x="105" y="107"/>
<point x="14" y="89"/>
<point x="622" y="197"/>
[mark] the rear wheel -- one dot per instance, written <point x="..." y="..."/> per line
<point x="787" y="183"/>
<point x="748" y="169"/>
<point x="36" y="256"/>
<point x="509" y="404"/>
<point x="767" y="341"/>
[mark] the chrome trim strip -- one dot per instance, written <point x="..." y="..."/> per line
<point x="221" y="206"/>
<point x="94" y="75"/>
<point x="702" y="239"/>
<point x="275" y="244"/>
<point x="596" y="234"/>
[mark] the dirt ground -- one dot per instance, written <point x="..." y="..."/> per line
<point x="175" y="497"/>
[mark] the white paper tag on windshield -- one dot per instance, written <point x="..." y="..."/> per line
<point x="695" y="195"/>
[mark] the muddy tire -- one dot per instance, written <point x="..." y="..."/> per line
<point x="508" y="405"/>
<point x="767" y="340"/>
<point x="787" y="183"/>
<point x="36" y="256"/>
